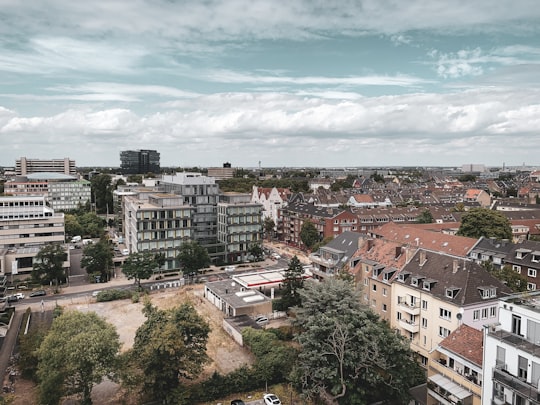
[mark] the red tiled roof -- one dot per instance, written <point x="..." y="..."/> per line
<point x="466" y="342"/>
<point x="363" y="198"/>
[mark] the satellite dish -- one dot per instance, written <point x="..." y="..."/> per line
<point x="459" y="316"/>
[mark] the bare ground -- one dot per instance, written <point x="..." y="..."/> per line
<point x="225" y="354"/>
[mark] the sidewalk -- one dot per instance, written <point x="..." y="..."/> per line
<point x="119" y="281"/>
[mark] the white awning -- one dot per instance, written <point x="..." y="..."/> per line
<point x="457" y="391"/>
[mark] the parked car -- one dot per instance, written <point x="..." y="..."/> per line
<point x="271" y="399"/>
<point x="230" y="269"/>
<point x="19" y="295"/>
<point x="237" y="402"/>
<point x="125" y="252"/>
<point x="38" y="293"/>
<point x="12" y="298"/>
<point x="261" y="320"/>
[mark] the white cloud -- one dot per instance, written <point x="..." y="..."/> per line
<point x="447" y="129"/>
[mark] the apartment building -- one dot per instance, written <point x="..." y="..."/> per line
<point x="329" y="222"/>
<point x="435" y="293"/>
<point x="511" y="352"/>
<point x="239" y="225"/>
<point x="525" y="259"/>
<point x="24" y="166"/>
<point x="337" y="255"/>
<point x="63" y="192"/>
<point x="157" y="223"/>
<point x="26" y="225"/>
<point x="272" y="200"/>
<point x="455" y="375"/>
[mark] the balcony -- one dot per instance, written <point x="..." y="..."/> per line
<point x="517" y="341"/>
<point x="523" y="388"/>
<point x="409" y="307"/>
<point x="315" y="258"/>
<point x="409" y="326"/>
<point x="457" y="377"/>
<point x="446" y="391"/>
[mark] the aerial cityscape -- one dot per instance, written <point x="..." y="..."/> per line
<point x="269" y="203"/>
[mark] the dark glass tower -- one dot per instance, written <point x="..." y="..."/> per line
<point x="139" y="161"/>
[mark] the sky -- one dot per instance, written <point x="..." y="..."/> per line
<point x="271" y="83"/>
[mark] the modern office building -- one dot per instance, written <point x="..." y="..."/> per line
<point x="157" y="223"/>
<point x="24" y="166"/>
<point x="63" y="192"/>
<point x="512" y="352"/>
<point x="239" y="225"/>
<point x="139" y="161"/>
<point x="221" y="173"/>
<point x="26" y="225"/>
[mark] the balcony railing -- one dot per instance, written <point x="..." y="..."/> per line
<point x="516" y="384"/>
<point x="517" y="341"/>
<point x="409" y="307"/>
<point x="410" y="326"/>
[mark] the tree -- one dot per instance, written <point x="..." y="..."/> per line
<point x="140" y="266"/>
<point x="292" y="283"/>
<point x="170" y="345"/>
<point x="268" y="226"/>
<point x="511" y="278"/>
<point x="479" y="222"/>
<point x="72" y="225"/>
<point x="48" y="264"/>
<point x="91" y="224"/>
<point x="97" y="259"/>
<point x="193" y="257"/>
<point x="425" y="217"/>
<point x="102" y="193"/>
<point x="79" y="350"/>
<point x="256" y="250"/>
<point x="309" y="234"/>
<point x="347" y="354"/>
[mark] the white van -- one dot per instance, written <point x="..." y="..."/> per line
<point x="76" y="239"/>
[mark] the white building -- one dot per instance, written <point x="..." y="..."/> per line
<point x="26" y="225"/>
<point x="512" y="352"/>
<point x="24" y="166"/>
<point x="271" y="199"/>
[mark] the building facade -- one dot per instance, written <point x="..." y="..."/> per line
<point x="24" y="166"/>
<point x="157" y="223"/>
<point x="26" y="225"/>
<point x="511" y="352"/>
<point x="62" y="192"/>
<point x="239" y="225"/>
<point x="139" y="161"/>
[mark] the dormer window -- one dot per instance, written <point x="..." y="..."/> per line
<point x="487" y="292"/>
<point x="521" y="253"/>
<point x="451" y="292"/>
<point x="428" y="284"/>
<point x="535" y="256"/>
<point x="415" y="281"/>
<point x="403" y="276"/>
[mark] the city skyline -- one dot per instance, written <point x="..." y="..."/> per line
<point x="296" y="84"/>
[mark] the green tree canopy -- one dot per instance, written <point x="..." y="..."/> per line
<point x="102" y="193"/>
<point x="479" y="222"/>
<point x="268" y="226"/>
<point x="292" y="283"/>
<point x="170" y="345"/>
<point x="140" y="266"/>
<point x="193" y="257"/>
<point x="516" y="281"/>
<point x="309" y="234"/>
<point x="97" y="259"/>
<point x="79" y="350"/>
<point x="256" y="250"/>
<point x="48" y="265"/>
<point x="347" y="354"/>
<point x="425" y="217"/>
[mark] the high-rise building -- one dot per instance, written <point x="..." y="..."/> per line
<point x="139" y="161"/>
<point x="24" y="166"/>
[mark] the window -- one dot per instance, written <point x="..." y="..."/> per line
<point x="384" y="307"/>
<point x="484" y="313"/>
<point x="365" y="281"/>
<point x="443" y="332"/>
<point x="516" y="268"/>
<point x="522" y="367"/>
<point x="445" y="314"/>
<point x="531" y="286"/>
<point x="476" y="315"/>
<point x="424" y="305"/>
<point x="492" y="312"/>
<point x="414" y="282"/>
<point x="399" y="316"/>
<point x="424" y="322"/>
<point x="384" y="292"/>
<point x="531" y="272"/>
<point x="374" y="287"/>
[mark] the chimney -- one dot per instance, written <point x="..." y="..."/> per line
<point x="455" y="266"/>
<point x="423" y="257"/>
<point x="369" y="244"/>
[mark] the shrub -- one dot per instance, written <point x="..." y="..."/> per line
<point x="111" y="295"/>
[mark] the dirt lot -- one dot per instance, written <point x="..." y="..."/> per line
<point x="226" y="355"/>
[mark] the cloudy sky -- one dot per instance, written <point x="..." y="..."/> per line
<point x="286" y="83"/>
